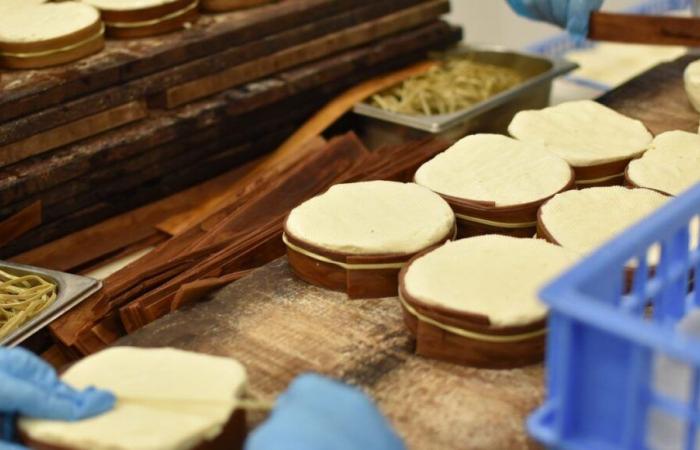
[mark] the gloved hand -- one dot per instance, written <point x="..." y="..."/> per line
<point x="316" y="413"/>
<point x="30" y="387"/>
<point x="570" y="14"/>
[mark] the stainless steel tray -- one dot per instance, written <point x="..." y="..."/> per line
<point x="72" y="289"/>
<point x="539" y="72"/>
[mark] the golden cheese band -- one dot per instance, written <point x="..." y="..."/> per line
<point x="167" y="399"/>
<point x="495" y="276"/>
<point x="584" y="133"/>
<point x="37" y="22"/>
<point x="372" y="217"/>
<point x="495" y="168"/>
<point x="671" y="165"/>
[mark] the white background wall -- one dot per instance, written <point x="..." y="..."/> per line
<point x="493" y="22"/>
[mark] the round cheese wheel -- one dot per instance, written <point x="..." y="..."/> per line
<point x="691" y="77"/>
<point x="584" y="133"/>
<point x="495" y="168"/>
<point x="671" y="165"/>
<point x="495" y="276"/>
<point x="584" y="220"/>
<point x="39" y="22"/>
<point x="166" y="399"/>
<point x="373" y="217"/>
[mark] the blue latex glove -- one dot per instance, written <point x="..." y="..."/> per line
<point x="316" y="413"/>
<point x="30" y="387"/>
<point x="570" y="14"/>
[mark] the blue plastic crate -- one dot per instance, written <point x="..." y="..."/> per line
<point x="620" y="374"/>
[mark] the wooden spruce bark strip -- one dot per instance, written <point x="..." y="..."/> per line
<point x="25" y="92"/>
<point x="149" y="85"/>
<point x="73" y="132"/>
<point x="20" y="223"/>
<point x="103" y="262"/>
<point x="197" y="290"/>
<point x="318" y="48"/>
<point x="151" y="191"/>
<point x="74" y="250"/>
<point x="266" y="210"/>
<point x="40" y="173"/>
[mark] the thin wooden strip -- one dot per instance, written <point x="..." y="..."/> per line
<point x="315" y="49"/>
<point x="230" y="5"/>
<point x="73" y="132"/>
<point x="644" y="29"/>
<point x="20" y="223"/>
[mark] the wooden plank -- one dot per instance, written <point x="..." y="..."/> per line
<point x="644" y="29"/>
<point x="19" y="224"/>
<point x="25" y="92"/>
<point x="42" y="173"/>
<point x="73" y="132"/>
<point x="285" y="327"/>
<point x="657" y="98"/>
<point x="152" y="84"/>
<point x="229" y="5"/>
<point x="318" y="48"/>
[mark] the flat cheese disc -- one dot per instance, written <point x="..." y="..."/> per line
<point x="671" y="165"/>
<point x="372" y="217"/>
<point x="495" y="276"/>
<point x="495" y="168"/>
<point x="126" y="5"/>
<point x="194" y="394"/>
<point x="691" y="77"/>
<point x="584" y="220"/>
<point x="40" y="22"/>
<point x="584" y="133"/>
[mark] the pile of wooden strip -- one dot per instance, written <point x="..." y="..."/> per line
<point x="145" y="118"/>
<point x="243" y="235"/>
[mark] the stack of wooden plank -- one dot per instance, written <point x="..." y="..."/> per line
<point x="146" y="118"/>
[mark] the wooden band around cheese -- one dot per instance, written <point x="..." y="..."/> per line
<point x="155" y="21"/>
<point x="600" y="173"/>
<point x="66" y="48"/>
<point x="344" y="265"/>
<point x="504" y="338"/>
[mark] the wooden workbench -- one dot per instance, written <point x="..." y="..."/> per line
<point x="280" y="327"/>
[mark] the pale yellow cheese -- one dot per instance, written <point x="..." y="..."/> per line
<point x="671" y="165"/>
<point x="584" y="220"/>
<point x="495" y="276"/>
<point x="372" y="217"/>
<point x="125" y="5"/>
<point x="495" y="168"/>
<point x="37" y="22"/>
<point x="167" y="399"/>
<point x="584" y="133"/>
<point x="691" y="78"/>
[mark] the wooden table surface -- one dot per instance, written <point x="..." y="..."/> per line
<point x="280" y="327"/>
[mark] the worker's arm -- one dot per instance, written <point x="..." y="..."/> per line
<point x="570" y="14"/>
<point x="30" y="387"/>
<point x="316" y="413"/>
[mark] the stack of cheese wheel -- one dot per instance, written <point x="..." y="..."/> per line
<point x="142" y="18"/>
<point x="670" y="166"/>
<point x="474" y="301"/>
<point x="495" y="184"/>
<point x="167" y="399"/>
<point x="34" y="34"/>
<point x="595" y="140"/>
<point x="356" y="237"/>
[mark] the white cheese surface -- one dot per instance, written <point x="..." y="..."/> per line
<point x="496" y="276"/>
<point x="495" y="168"/>
<point x="41" y="22"/>
<point x="584" y="133"/>
<point x="691" y="78"/>
<point x="372" y="217"/>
